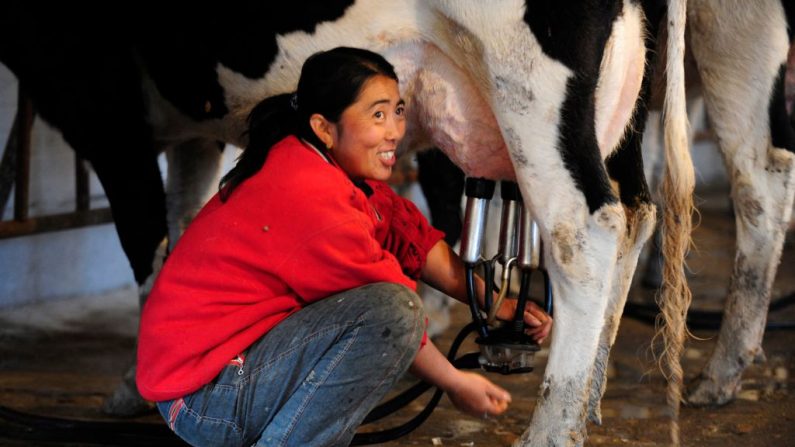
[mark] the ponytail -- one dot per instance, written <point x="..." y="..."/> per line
<point x="268" y="123"/>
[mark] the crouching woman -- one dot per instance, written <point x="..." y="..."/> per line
<point x="288" y="308"/>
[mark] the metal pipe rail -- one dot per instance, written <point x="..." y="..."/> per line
<point x="15" y="174"/>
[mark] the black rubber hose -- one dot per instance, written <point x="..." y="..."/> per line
<point x="18" y="425"/>
<point x="548" y="306"/>
<point x="473" y="301"/>
<point x="488" y="273"/>
<point x="707" y="320"/>
<point x="468" y="361"/>
<point x="402" y="430"/>
<point x="521" y="303"/>
<point x="403" y="399"/>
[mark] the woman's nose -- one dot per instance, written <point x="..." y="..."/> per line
<point x="395" y="129"/>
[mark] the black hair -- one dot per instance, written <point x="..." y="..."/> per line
<point x="330" y="82"/>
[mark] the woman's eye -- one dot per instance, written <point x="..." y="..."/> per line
<point x="400" y="111"/>
<point x="379" y="114"/>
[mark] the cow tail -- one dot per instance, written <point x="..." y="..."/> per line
<point x="678" y="184"/>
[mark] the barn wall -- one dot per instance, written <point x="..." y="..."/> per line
<point x="59" y="264"/>
<point x="62" y="264"/>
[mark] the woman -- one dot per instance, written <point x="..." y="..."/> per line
<point x="287" y="309"/>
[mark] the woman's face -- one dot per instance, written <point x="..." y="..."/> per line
<point x="368" y="132"/>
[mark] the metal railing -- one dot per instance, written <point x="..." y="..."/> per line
<point x="15" y="174"/>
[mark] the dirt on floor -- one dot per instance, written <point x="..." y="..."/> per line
<point x="62" y="359"/>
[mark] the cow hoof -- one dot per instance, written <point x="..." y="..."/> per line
<point x="125" y="400"/>
<point x="573" y="439"/>
<point x="707" y="393"/>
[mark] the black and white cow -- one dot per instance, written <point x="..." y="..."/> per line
<point x="739" y="61"/>
<point x="741" y="50"/>
<point x="543" y="92"/>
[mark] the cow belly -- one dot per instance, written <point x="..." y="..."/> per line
<point x="621" y="75"/>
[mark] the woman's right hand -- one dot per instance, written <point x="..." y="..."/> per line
<point x="477" y="396"/>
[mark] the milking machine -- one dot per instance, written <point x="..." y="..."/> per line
<point x="504" y="347"/>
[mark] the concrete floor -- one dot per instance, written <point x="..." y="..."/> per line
<point x="62" y="359"/>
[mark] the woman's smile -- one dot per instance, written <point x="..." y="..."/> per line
<point x="388" y="158"/>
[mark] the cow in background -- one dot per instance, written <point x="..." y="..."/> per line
<point x="541" y="92"/>
<point x="739" y="63"/>
<point x="741" y="50"/>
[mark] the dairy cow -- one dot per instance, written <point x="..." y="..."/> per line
<point x="739" y="61"/>
<point x="541" y="92"/>
<point x="740" y="50"/>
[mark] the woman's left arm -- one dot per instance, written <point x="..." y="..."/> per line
<point x="444" y="271"/>
<point x="469" y="392"/>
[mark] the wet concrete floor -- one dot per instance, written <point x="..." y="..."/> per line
<point x="61" y="359"/>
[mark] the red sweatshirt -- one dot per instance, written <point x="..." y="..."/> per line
<point x="297" y="231"/>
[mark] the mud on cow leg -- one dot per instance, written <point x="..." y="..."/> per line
<point x="640" y="225"/>
<point x="641" y="220"/>
<point x="582" y="260"/>
<point x="193" y="172"/>
<point x="763" y="208"/>
<point x="743" y="81"/>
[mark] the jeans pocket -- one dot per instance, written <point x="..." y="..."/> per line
<point x="170" y="410"/>
<point x="215" y="425"/>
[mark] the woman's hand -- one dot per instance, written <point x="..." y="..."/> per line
<point x="444" y="271"/>
<point x="539" y="321"/>
<point x="471" y="393"/>
<point x="475" y="395"/>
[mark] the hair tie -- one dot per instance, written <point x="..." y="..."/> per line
<point x="294" y="101"/>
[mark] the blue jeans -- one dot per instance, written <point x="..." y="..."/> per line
<point x="312" y="379"/>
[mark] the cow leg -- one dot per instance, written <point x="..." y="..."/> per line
<point x="131" y="179"/>
<point x="193" y="169"/>
<point x="138" y="195"/>
<point x="640" y="226"/>
<point x="135" y="192"/>
<point x="581" y="256"/>
<point x="740" y="52"/>
<point x="582" y="223"/>
<point x="442" y="184"/>
<point x="193" y="175"/>
<point x="624" y="167"/>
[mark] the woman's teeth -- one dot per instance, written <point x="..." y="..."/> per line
<point x="386" y="155"/>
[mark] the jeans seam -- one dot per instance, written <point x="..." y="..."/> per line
<point x="311" y="393"/>
<point x="306" y="340"/>
<point x="198" y="416"/>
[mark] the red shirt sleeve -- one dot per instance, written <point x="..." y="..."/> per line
<point x="403" y="230"/>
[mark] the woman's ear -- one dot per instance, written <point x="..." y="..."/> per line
<point x="323" y="129"/>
